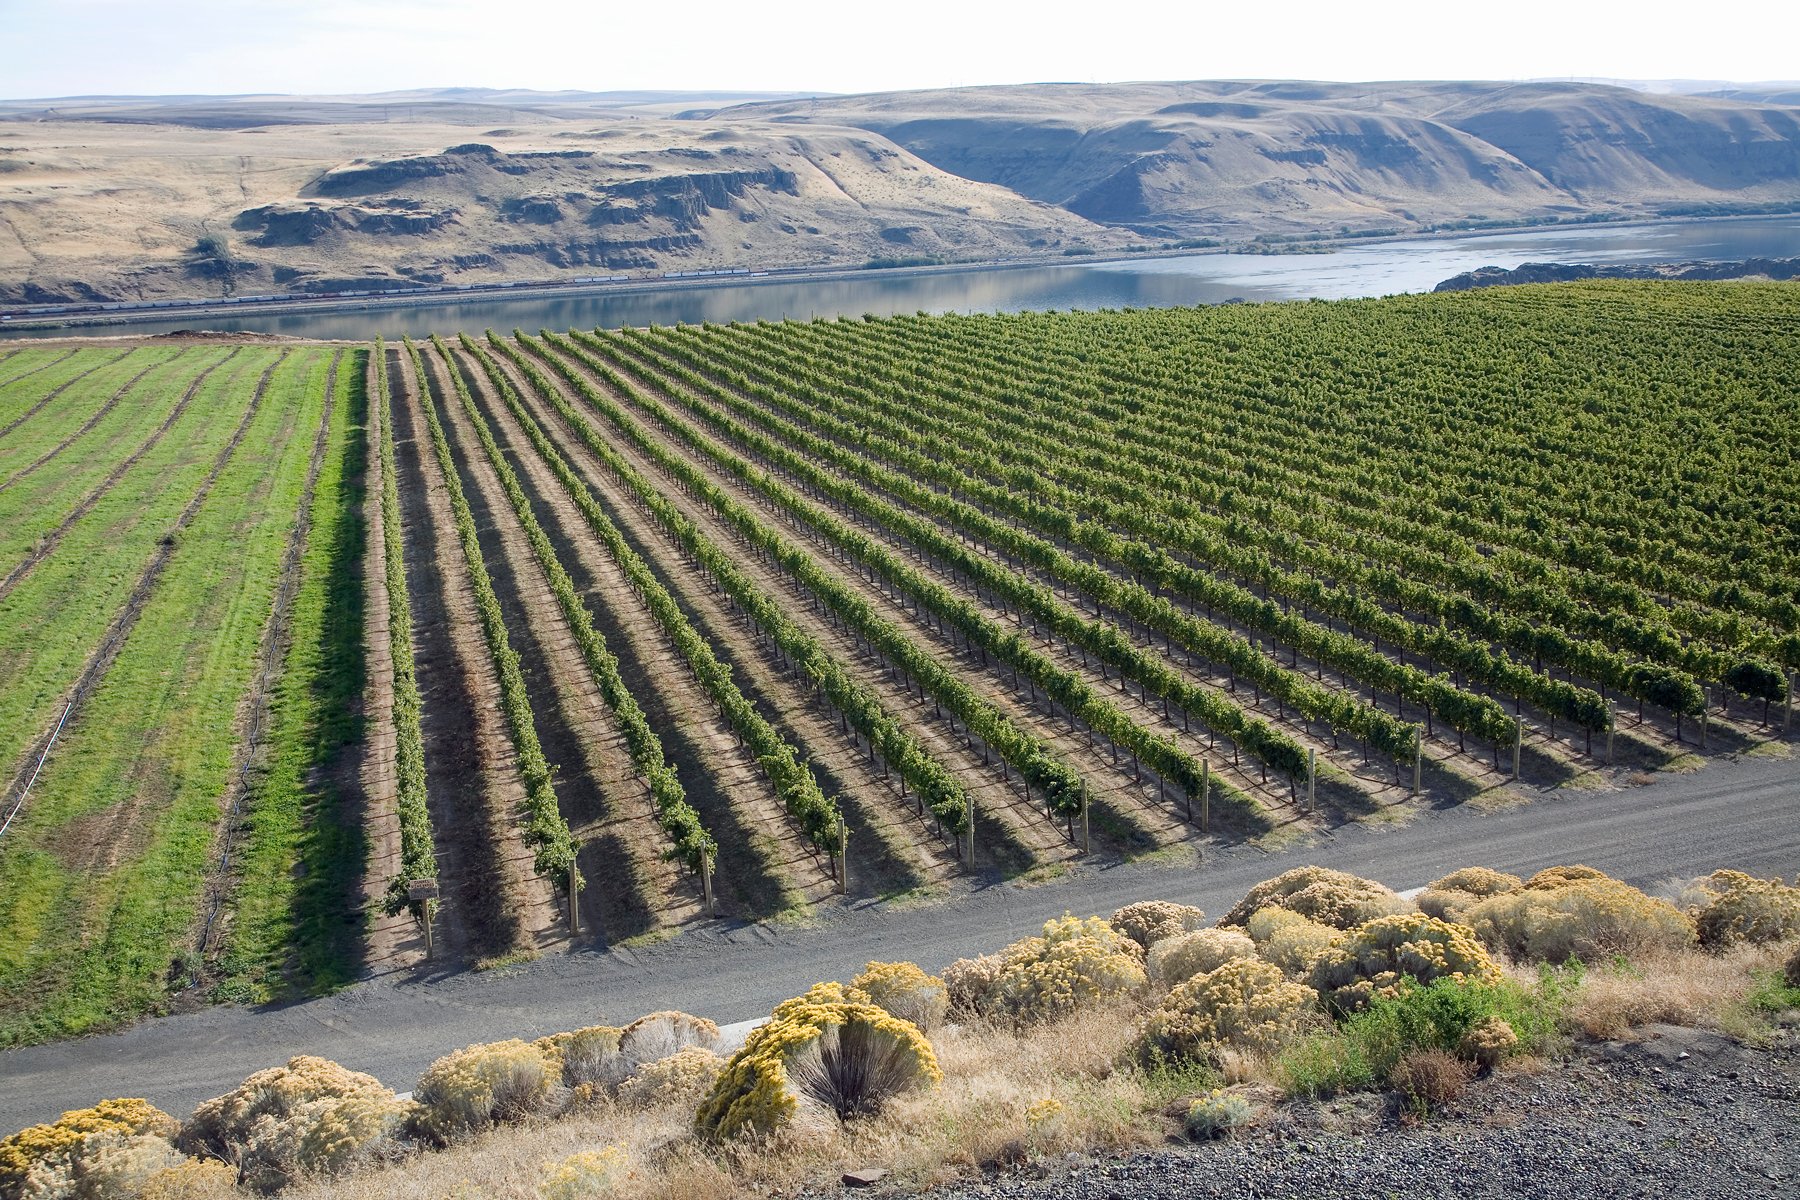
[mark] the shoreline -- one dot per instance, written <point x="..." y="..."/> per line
<point x="47" y="327"/>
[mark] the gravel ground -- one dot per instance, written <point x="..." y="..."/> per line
<point x="1683" y="1113"/>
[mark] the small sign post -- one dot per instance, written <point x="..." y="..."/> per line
<point x="706" y="882"/>
<point x="1312" y="775"/>
<point x="424" y="893"/>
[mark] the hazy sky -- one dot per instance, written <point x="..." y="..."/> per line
<point x="72" y="47"/>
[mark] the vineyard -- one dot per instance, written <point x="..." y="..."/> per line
<point x="608" y="632"/>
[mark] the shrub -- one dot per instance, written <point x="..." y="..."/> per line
<point x="969" y="982"/>
<point x="334" y="1137"/>
<point x="589" y="1056"/>
<point x="224" y="1125"/>
<point x="1429" y="1079"/>
<point x="1150" y="921"/>
<point x="109" y="1166"/>
<point x="1551" y="878"/>
<point x="1487" y="1042"/>
<point x="61" y="1147"/>
<point x="192" y="1179"/>
<point x="1177" y="959"/>
<point x="1289" y="940"/>
<point x="1385" y="955"/>
<point x="1588" y="919"/>
<point x="839" y="1058"/>
<point x="1217" y="1114"/>
<point x="1742" y="908"/>
<point x="472" y="1088"/>
<point x="1245" y="1005"/>
<point x="1074" y="963"/>
<point x="684" y="1077"/>
<point x="1333" y="898"/>
<point x="659" y="1035"/>
<point x="1323" y="1064"/>
<point x="905" y="991"/>
<point x="1448" y="898"/>
<point x="584" y="1175"/>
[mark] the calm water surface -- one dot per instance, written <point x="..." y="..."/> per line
<point x="1377" y="269"/>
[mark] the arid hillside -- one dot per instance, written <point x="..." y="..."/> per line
<point x="200" y="199"/>
<point x="165" y="197"/>
<point x="1231" y="157"/>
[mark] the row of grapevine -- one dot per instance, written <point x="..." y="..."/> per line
<point x="1035" y="500"/>
<point x="546" y="832"/>
<point x="1121" y="497"/>
<point x="418" y="859"/>
<point x="1104" y="639"/>
<point x="792" y="778"/>
<point x="1118" y="407"/>
<point x="935" y="786"/>
<point x="1078" y="698"/>
<point x="1035" y="762"/>
<point x="690" y="842"/>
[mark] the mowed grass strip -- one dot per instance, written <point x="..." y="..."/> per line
<point x="101" y="877"/>
<point x="31" y="394"/>
<point x="56" y="616"/>
<point x="294" y="925"/>
<point x="81" y="401"/>
<point x="34" y="505"/>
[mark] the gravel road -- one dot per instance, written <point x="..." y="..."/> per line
<point x="1743" y="814"/>
<point x="1683" y="1113"/>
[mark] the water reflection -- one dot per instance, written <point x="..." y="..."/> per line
<point x="1373" y="270"/>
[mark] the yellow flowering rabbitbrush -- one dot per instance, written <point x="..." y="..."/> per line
<point x="1742" y="908"/>
<point x="905" y="990"/>
<point x="1578" y="917"/>
<point x="1334" y="898"/>
<point x="60" y="1144"/>
<point x="1378" y="958"/>
<point x="833" y="1057"/>
<point x="1075" y="962"/>
<point x="469" y="1089"/>
<point x="1289" y="940"/>
<point x="1176" y="959"/>
<point x="1150" y="921"/>
<point x="1448" y="898"/>
<point x="1246" y="1005"/>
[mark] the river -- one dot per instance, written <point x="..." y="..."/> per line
<point x="1371" y="269"/>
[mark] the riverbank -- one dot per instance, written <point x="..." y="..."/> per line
<point x="297" y="314"/>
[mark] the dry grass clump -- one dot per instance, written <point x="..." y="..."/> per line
<point x="590" y="1057"/>
<point x="64" y="1149"/>
<point x="1289" y="940"/>
<point x="817" y="1057"/>
<point x="1429" y="1079"/>
<point x="1246" y="1006"/>
<point x="660" y="1034"/>
<point x="1177" y="959"/>
<point x="1383" y="956"/>
<point x="1150" y="921"/>
<point x="478" y="1086"/>
<point x="905" y="991"/>
<point x="1448" y="898"/>
<point x="1671" y="987"/>
<point x="192" y="1179"/>
<point x="584" y="1175"/>
<point x="1586" y="918"/>
<point x="1075" y="962"/>
<point x="1334" y="898"/>
<point x="1733" y="907"/>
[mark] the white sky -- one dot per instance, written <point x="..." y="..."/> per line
<point x="72" y="47"/>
